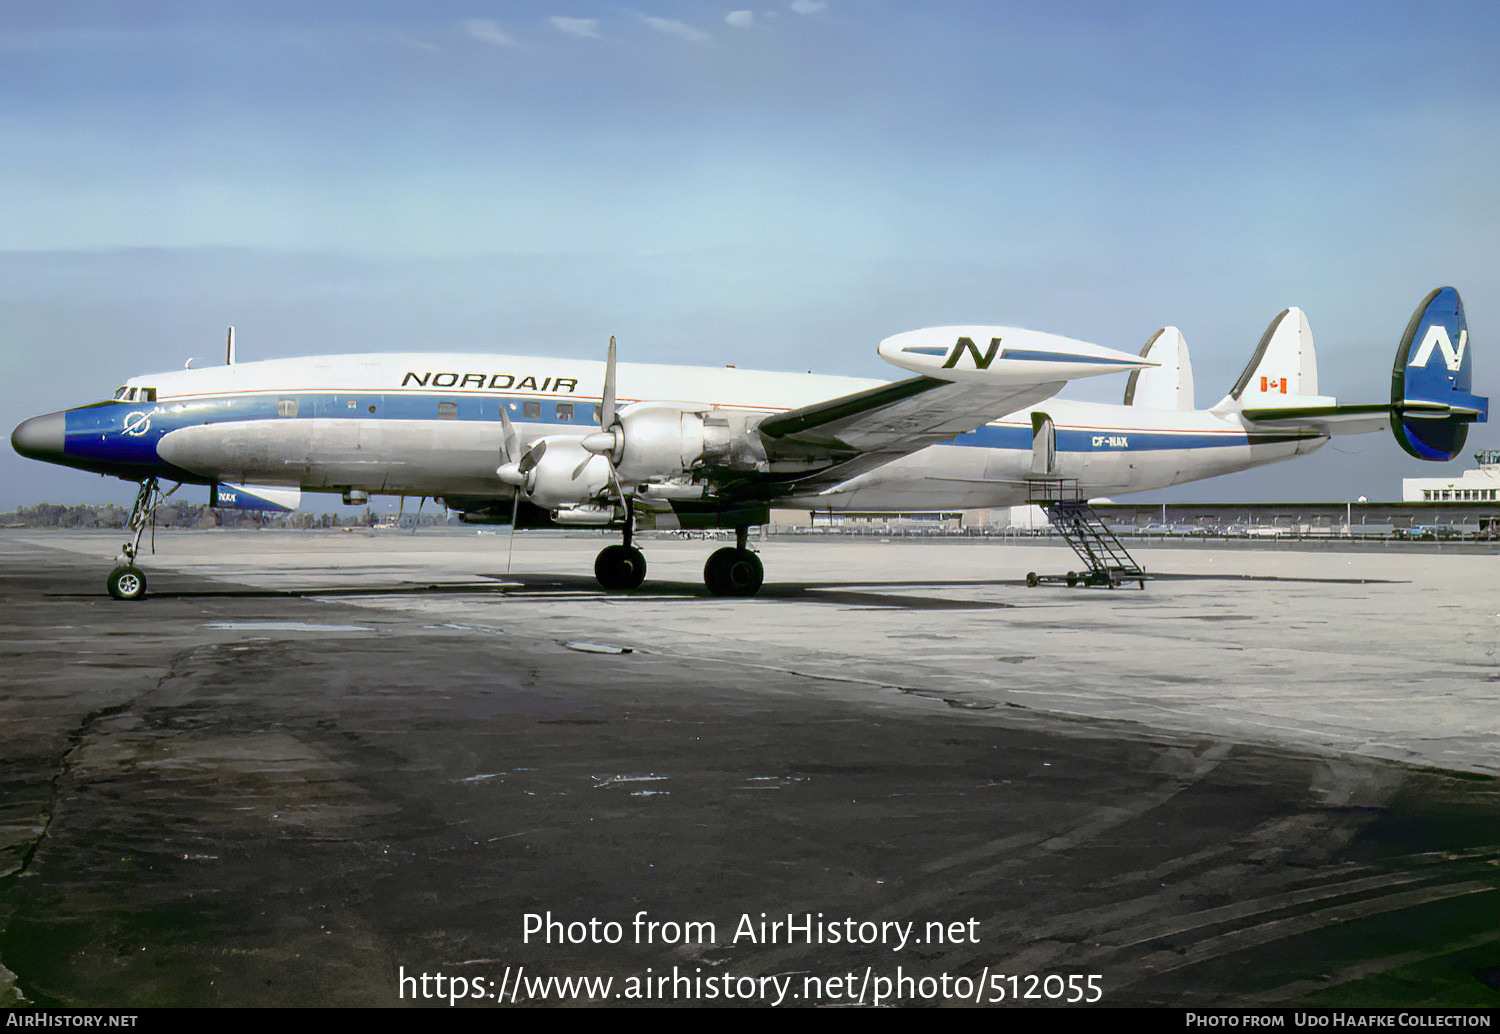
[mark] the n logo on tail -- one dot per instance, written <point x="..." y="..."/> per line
<point x="981" y="362"/>
<point x="1437" y="337"/>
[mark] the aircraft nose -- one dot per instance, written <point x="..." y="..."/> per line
<point x="40" y="438"/>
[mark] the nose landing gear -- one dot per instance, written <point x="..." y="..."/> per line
<point x="127" y="581"/>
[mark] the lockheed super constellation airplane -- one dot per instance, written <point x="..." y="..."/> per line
<point x="572" y="442"/>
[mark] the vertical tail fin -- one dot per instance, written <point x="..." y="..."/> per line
<point x="1283" y="372"/>
<point x="1284" y="365"/>
<point x="1169" y="384"/>
<point x="1432" y="405"/>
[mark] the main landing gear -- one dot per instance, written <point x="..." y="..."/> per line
<point x="126" y="581"/>
<point x="623" y="567"/>
<point x="731" y="571"/>
<point x="734" y="571"/>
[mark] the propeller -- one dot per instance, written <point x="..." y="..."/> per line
<point x="514" y="468"/>
<point x="607" y="441"/>
<point x="602" y="442"/>
<point x="510" y="471"/>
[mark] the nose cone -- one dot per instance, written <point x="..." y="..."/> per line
<point x="40" y="438"/>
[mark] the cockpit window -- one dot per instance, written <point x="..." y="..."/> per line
<point x="147" y="395"/>
<point x="122" y="393"/>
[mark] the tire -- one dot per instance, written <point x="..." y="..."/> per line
<point x="733" y="572"/>
<point x="1032" y="581"/>
<point x="620" y="568"/>
<point x="127" y="583"/>
<point x="1072" y="579"/>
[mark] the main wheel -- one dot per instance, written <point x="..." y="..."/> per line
<point x="620" y="568"/>
<point x="127" y="583"/>
<point x="1032" y="581"/>
<point x="733" y="572"/>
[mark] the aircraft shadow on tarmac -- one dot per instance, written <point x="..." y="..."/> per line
<point x="864" y="593"/>
<point x="533" y="586"/>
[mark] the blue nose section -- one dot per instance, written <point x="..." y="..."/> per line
<point x="40" y="438"/>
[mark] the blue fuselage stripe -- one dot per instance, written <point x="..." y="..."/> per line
<point x="127" y="432"/>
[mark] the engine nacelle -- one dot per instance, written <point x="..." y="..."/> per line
<point x="662" y="441"/>
<point x="566" y="474"/>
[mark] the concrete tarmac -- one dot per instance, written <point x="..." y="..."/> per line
<point x="328" y="768"/>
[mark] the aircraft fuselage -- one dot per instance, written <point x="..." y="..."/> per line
<point x="429" y="425"/>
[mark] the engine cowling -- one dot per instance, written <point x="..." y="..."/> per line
<point x="564" y="474"/>
<point x="654" y="440"/>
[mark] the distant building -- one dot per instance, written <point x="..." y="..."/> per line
<point x="1481" y="485"/>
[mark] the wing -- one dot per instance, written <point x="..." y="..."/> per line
<point x="829" y="442"/>
<point x="961" y="385"/>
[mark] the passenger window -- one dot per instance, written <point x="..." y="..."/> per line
<point x="565" y="412"/>
<point x="447" y="410"/>
<point x="598" y="414"/>
<point x="286" y="407"/>
<point x="531" y="411"/>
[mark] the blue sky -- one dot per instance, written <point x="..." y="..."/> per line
<point x="778" y="186"/>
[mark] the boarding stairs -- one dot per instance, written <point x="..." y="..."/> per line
<point x="1109" y="562"/>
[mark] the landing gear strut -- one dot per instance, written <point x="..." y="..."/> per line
<point x="126" y="581"/>
<point x="623" y="567"/>
<point x="734" y="571"/>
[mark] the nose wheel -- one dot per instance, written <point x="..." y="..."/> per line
<point x="127" y="582"/>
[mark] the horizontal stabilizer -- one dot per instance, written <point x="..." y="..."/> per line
<point x="1431" y="405"/>
<point x="1169" y="385"/>
<point x="268" y="498"/>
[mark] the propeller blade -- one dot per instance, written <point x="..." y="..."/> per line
<point x="510" y="549"/>
<point x="579" y="469"/>
<point x="509" y="439"/>
<point x="533" y="456"/>
<point x="607" y="406"/>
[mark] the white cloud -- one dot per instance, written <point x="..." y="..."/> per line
<point x="488" y="30"/>
<point x="740" y="19"/>
<point x="588" y="28"/>
<point x="672" y="27"/>
<point x="412" y="41"/>
<point x="808" y="6"/>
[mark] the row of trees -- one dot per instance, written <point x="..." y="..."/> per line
<point x="187" y="515"/>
